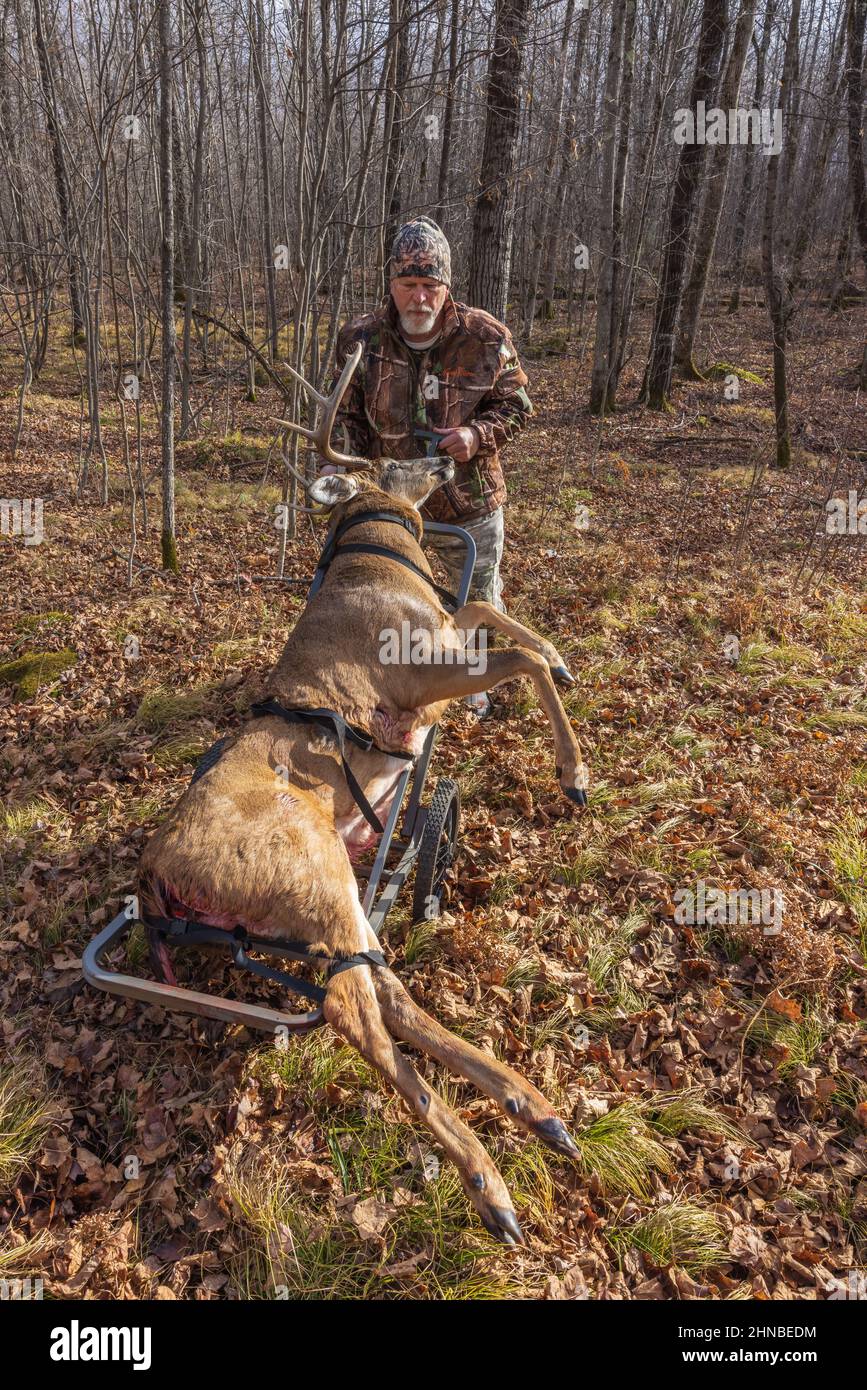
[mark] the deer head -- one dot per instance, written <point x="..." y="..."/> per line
<point x="411" y="480"/>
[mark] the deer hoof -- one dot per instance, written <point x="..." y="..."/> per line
<point x="576" y="794"/>
<point x="554" y="1133"/>
<point x="562" y="676"/>
<point x="502" y="1223"/>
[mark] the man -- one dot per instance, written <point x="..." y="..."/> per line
<point x="433" y="365"/>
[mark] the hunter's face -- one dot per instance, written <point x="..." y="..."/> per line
<point x="419" y="302"/>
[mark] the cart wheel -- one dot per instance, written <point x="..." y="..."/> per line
<point x="437" y="850"/>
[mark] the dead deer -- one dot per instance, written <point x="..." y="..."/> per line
<point x="273" y="853"/>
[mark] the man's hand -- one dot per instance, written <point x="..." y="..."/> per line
<point x="460" y="444"/>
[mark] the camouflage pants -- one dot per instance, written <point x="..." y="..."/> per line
<point x="487" y="532"/>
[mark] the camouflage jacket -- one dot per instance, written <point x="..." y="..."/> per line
<point x="471" y="376"/>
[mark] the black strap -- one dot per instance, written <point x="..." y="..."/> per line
<point x="357" y="519"/>
<point x="210" y="758"/>
<point x="446" y="597"/>
<point x="181" y="932"/>
<point x="364" y="548"/>
<point x="335" y="723"/>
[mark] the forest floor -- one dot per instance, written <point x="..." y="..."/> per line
<point x="714" y="1075"/>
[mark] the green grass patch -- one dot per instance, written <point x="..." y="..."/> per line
<point x="182" y="751"/>
<point x="37" y="814"/>
<point x="683" y="1112"/>
<point x="848" y="853"/>
<point x="236" y="649"/>
<point x="621" y="1150"/>
<point x="679" y="1233"/>
<point x="758" y="657"/>
<point x="795" y="1041"/>
<point x="729" y="369"/>
<point x="834" y="719"/>
<point x="162" y="706"/>
<point x="27" y="1113"/>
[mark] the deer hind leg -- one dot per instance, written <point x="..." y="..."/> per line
<point x="481" y="614"/>
<point x="517" y="1097"/>
<point x="352" y="1009"/>
<point x="444" y="682"/>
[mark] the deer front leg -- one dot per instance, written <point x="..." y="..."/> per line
<point x="352" y="1010"/>
<point x="516" y="1097"/>
<point x="440" y="682"/>
<point x="482" y="614"/>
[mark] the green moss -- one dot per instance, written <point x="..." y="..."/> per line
<point x="31" y="621"/>
<point x="170" y="552"/>
<point x="729" y="369"/>
<point x="33" y="669"/>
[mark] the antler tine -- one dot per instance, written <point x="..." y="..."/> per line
<point x="299" y="477"/>
<point x="324" y="443"/>
<point x="320" y="400"/>
<point x="321" y="436"/>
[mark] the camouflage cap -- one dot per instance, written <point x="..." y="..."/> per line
<point x="420" y="248"/>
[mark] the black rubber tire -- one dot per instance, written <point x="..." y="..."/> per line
<point x="437" y="849"/>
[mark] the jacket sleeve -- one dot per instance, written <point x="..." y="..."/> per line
<point x="351" y="415"/>
<point x="505" y="409"/>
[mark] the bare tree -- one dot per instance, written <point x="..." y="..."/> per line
<point x="855" y="26"/>
<point x="706" y="234"/>
<point x="661" y="362"/>
<point x="167" y="286"/>
<point x="60" y="176"/>
<point x="751" y="158"/>
<point x="493" y="219"/>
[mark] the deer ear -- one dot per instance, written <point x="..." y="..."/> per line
<point x="339" y="487"/>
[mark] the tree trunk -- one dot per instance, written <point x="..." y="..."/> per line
<point x="855" y="25"/>
<point x="493" y="218"/>
<point x="546" y="197"/>
<point x="395" y="148"/>
<point x="448" y="118"/>
<point x="167" y="288"/>
<point x="618" y="277"/>
<point x="705" y="241"/>
<point x="751" y="155"/>
<point x="710" y="47"/>
<point x="61" y="181"/>
<point x="192" y="270"/>
<point x="776" y="276"/>
<point x="260" y="69"/>
<point x="605" y="290"/>
<point x="557" y="204"/>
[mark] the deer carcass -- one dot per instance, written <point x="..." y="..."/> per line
<point x="273" y="853"/>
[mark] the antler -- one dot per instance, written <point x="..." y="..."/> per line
<point x="321" y="436"/>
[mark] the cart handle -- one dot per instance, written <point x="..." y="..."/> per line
<point x="186" y="1001"/>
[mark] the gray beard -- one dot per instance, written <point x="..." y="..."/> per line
<point x="418" y="327"/>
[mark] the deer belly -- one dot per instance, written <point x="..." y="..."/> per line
<point x="354" y="830"/>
